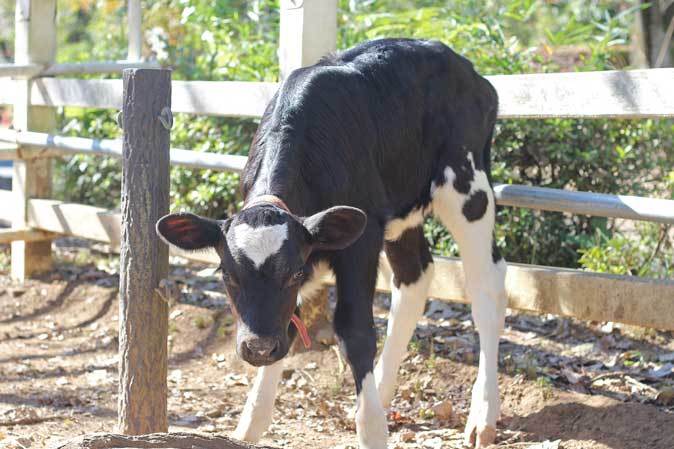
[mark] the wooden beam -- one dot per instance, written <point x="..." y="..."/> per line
<point x="20" y="70"/>
<point x="143" y="312"/>
<point x="566" y="292"/>
<point x="218" y="98"/>
<point x="78" y="220"/>
<point x="94" y="68"/>
<point x="612" y="94"/>
<point x="35" y="43"/>
<point x="584" y="295"/>
<point x="27" y="235"/>
<point x="222" y="98"/>
<point x="609" y="94"/>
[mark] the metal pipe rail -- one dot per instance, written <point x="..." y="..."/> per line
<point x="584" y="203"/>
<point x="51" y="145"/>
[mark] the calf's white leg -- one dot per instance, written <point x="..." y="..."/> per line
<point x="257" y="412"/>
<point x="407" y="305"/>
<point x="470" y="218"/>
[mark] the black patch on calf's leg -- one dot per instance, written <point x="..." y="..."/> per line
<point x="409" y="256"/>
<point x="460" y="164"/>
<point x="475" y="206"/>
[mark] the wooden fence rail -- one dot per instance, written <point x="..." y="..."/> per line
<point x="608" y="94"/>
<point x="539" y="289"/>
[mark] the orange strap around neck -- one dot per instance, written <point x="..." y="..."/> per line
<point x="267" y="199"/>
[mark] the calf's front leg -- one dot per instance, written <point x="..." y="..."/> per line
<point x="257" y="412"/>
<point x="354" y="326"/>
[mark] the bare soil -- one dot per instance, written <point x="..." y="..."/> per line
<point x="564" y="384"/>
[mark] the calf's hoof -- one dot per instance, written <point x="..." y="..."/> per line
<point x="479" y="437"/>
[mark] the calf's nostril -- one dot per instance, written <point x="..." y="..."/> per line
<point x="262" y="348"/>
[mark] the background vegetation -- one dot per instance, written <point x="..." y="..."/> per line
<point x="237" y="40"/>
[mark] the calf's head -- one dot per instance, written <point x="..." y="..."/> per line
<point x="264" y="252"/>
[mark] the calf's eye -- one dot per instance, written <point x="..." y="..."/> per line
<point x="298" y="276"/>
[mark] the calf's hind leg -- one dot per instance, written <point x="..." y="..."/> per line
<point x="412" y="267"/>
<point x="470" y="216"/>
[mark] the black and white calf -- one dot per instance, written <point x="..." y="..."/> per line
<point x="350" y="156"/>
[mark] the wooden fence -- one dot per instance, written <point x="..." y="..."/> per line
<point x="612" y="94"/>
<point x="34" y="87"/>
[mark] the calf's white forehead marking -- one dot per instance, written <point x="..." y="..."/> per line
<point x="258" y="244"/>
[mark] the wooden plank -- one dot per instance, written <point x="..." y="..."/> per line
<point x="35" y="43"/>
<point x="586" y="203"/>
<point x="20" y="70"/>
<point x="77" y="220"/>
<point x="612" y="94"/>
<point x="25" y="234"/>
<point x="609" y="94"/>
<point x="93" y="68"/>
<point x="218" y="98"/>
<point x="61" y="92"/>
<point x="584" y="295"/>
<point x="143" y="312"/>
<point x="566" y="292"/>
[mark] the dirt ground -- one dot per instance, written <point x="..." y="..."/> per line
<point x="564" y="384"/>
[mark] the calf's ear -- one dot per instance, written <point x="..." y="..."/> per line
<point x="189" y="231"/>
<point x="335" y="228"/>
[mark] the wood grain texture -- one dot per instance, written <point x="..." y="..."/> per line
<point x="566" y="292"/>
<point x="26" y="235"/>
<point x="179" y="440"/>
<point x="143" y="313"/>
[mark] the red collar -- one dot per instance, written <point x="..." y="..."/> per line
<point x="267" y="199"/>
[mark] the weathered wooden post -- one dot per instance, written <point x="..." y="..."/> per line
<point x="35" y="43"/>
<point x="143" y="312"/>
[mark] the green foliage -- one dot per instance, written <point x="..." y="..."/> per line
<point x="650" y="255"/>
<point x="605" y="156"/>
<point x="238" y="39"/>
<point x="200" y="40"/>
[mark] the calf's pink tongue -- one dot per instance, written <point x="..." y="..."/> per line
<point x="302" y="330"/>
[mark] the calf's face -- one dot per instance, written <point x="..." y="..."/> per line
<point x="263" y="258"/>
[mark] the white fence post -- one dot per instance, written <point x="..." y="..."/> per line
<point x="35" y="43"/>
<point x="308" y="32"/>
<point x="135" y="31"/>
